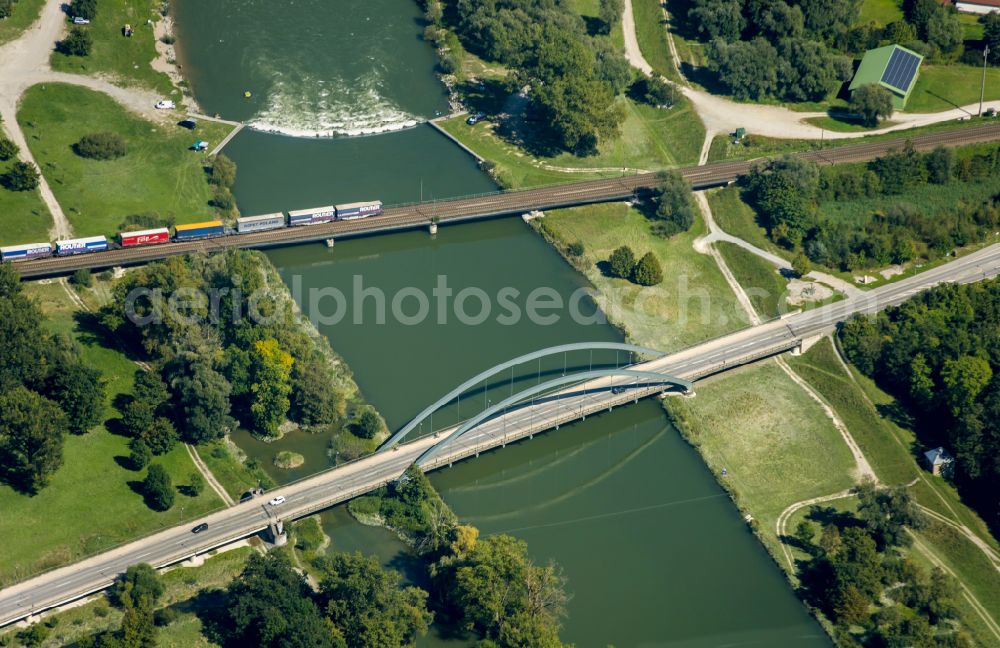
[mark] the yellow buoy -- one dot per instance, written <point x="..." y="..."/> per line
<point x="247" y="94"/>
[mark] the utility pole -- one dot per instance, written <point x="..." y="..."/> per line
<point x="982" y="89"/>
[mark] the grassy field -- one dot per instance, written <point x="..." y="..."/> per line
<point x="25" y="13"/>
<point x="882" y="12"/>
<point x="24" y="218"/>
<point x="943" y="87"/>
<point x="650" y="139"/>
<point x="775" y="442"/>
<point x="182" y="586"/>
<point x="651" y="33"/>
<point x="764" y="286"/>
<point x="693" y="303"/>
<point x="737" y="218"/>
<point x="125" y="60"/>
<point x="159" y="174"/>
<point x="91" y="503"/>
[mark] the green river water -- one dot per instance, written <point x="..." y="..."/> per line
<point x="654" y="553"/>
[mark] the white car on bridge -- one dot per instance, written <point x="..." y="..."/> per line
<point x="277" y="500"/>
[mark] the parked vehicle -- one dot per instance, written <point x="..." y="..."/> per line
<point x="475" y="119"/>
<point x="277" y="500"/>
<point x="79" y="20"/>
<point x="201" y="527"/>
<point x="165" y="104"/>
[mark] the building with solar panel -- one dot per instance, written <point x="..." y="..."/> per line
<point x="894" y="68"/>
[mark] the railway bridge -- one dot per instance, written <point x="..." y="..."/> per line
<point x="495" y="204"/>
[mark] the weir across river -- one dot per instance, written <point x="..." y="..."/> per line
<point x="490" y="205"/>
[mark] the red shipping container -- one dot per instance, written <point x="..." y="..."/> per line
<point x="145" y="237"/>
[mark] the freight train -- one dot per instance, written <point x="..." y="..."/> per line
<point x="195" y="231"/>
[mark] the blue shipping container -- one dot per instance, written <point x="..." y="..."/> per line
<point x="29" y="251"/>
<point x="312" y="216"/>
<point x="359" y="210"/>
<point x="81" y="246"/>
<point x="208" y="231"/>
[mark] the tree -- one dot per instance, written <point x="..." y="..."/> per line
<point x="801" y="265"/>
<point x="314" y="400"/>
<point x="610" y="13"/>
<point x="139" y="455"/>
<point x="160" y="436"/>
<point x="196" y="484"/>
<point x="203" y="403"/>
<point x="368" y="424"/>
<point x="748" y="69"/>
<point x="31" y="439"/>
<point x="8" y="149"/>
<point x="500" y="593"/>
<point x="886" y="512"/>
<point x="964" y="378"/>
<point x="872" y="102"/>
<point x="718" y="19"/>
<point x="271" y="387"/>
<point x="611" y="66"/>
<point x="675" y="206"/>
<point x="940" y="165"/>
<point x="77" y="43"/>
<point x="621" y="262"/>
<point x="83" y="9"/>
<point x="222" y="171"/>
<point x="79" y="390"/>
<point x="101" y="146"/>
<point x="22" y="176"/>
<point x="139" y="581"/>
<point x="271" y="606"/>
<point x="648" y="271"/>
<point x="804" y="533"/>
<point x="137" y="629"/>
<point x="991" y="35"/>
<point x="944" y="30"/>
<point x="158" y="488"/>
<point x="82" y="278"/>
<point x="6" y="10"/>
<point x="657" y="91"/>
<point x="367" y="604"/>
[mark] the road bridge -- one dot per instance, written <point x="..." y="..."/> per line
<point x="495" y="430"/>
<point x="491" y="205"/>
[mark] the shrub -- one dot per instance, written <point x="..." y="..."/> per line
<point x="368" y="424"/>
<point x="83" y="8"/>
<point x="23" y="176"/>
<point x="146" y="220"/>
<point x="801" y="265"/>
<point x="222" y="172"/>
<point x="168" y="39"/>
<point x="6" y="8"/>
<point x="165" y="616"/>
<point x="101" y="146"/>
<point x="8" y="149"/>
<point x="621" y="261"/>
<point x="575" y="249"/>
<point x="82" y="278"/>
<point x="648" y="271"/>
<point x="158" y="488"/>
<point x="77" y="43"/>
<point x="223" y="199"/>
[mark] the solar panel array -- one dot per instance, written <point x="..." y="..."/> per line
<point x="901" y="69"/>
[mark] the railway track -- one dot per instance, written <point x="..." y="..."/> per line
<point x="491" y="205"/>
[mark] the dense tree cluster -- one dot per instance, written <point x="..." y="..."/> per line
<point x="22" y="176"/>
<point x="940" y="353"/>
<point x="224" y="345"/>
<point x="359" y="604"/>
<point x="487" y="586"/>
<point x="78" y="42"/>
<point x="675" y="206"/>
<point x="858" y="577"/>
<point x="573" y="77"/>
<point x="794" y="50"/>
<point x="45" y="391"/>
<point x="222" y="176"/>
<point x="647" y="271"/>
<point x="788" y="195"/>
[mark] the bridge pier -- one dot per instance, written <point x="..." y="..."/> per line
<point x="277" y="532"/>
<point x="433" y="229"/>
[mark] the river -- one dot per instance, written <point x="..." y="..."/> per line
<point x="653" y="551"/>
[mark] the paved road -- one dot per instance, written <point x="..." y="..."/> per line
<point x="350" y="480"/>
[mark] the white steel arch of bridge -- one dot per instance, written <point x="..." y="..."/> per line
<point x="456" y="393"/>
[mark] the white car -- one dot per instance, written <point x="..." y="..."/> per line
<point x="277" y="501"/>
<point x="80" y="21"/>
<point x="165" y="104"/>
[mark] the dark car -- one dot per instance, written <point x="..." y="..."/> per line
<point x="617" y="390"/>
<point x="201" y="527"/>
